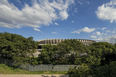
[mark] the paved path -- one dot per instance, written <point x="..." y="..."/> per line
<point x="31" y="75"/>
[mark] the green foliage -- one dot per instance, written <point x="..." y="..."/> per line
<point x="98" y="52"/>
<point x="33" y="61"/>
<point x="47" y="55"/>
<point x="106" y="70"/>
<point x="112" y="68"/>
<point x="101" y="71"/>
<point x="93" y="61"/>
<point x="96" y="60"/>
<point x="4" y="69"/>
<point x="100" y="61"/>
<point x="101" y="48"/>
<point x="81" y="71"/>
<point x="64" y="53"/>
<point x="70" y="51"/>
<point x="15" y="47"/>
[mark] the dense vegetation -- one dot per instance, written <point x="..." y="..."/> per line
<point x="97" y="59"/>
<point x="16" y="48"/>
<point x="66" y="52"/>
<point x="74" y="52"/>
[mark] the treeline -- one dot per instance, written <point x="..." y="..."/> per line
<point x="66" y="52"/>
<point x="74" y="52"/>
<point x="100" y="62"/>
<point x="95" y="60"/>
<point x="16" y="48"/>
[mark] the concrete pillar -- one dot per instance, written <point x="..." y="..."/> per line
<point x="51" y="41"/>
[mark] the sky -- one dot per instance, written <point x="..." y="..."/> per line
<point x="60" y="19"/>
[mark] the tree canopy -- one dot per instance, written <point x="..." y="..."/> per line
<point x="64" y="53"/>
<point x="94" y="60"/>
<point x="16" y="47"/>
<point x="97" y="59"/>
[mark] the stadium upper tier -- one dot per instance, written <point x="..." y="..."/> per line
<point x="57" y="41"/>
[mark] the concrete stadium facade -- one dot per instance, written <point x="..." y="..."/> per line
<point x="57" y="41"/>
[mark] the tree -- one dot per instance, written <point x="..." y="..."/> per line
<point x="64" y="53"/>
<point x="82" y="71"/>
<point x="47" y="54"/>
<point x="105" y="71"/>
<point x="99" y="50"/>
<point x="16" y="47"/>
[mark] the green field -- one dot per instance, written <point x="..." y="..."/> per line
<point x="9" y="70"/>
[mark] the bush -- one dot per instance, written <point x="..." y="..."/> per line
<point x="81" y="71"/>
<point x="106" y="70"/>
<point x="102" y="71"/>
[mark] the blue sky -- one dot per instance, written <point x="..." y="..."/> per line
<point x="60" y="19"/>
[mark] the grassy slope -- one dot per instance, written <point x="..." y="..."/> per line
<point x="9" y="70"/>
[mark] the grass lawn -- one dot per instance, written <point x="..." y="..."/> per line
<point x="9" y="70"/>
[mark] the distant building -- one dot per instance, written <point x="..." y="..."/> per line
<point x="57" y="41"/>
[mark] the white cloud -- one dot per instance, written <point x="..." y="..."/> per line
<point x="93" y="36"/>
<point x="108" y="31"/>
<point x="54" y="33"/>
<point x="42" y="13"/>
<point x="56" y="23"/>
<point x="78" y="32"/>
<point x="79" y="2"/>
<point x="106" y="36"/>
<point x="98" y="33"/>
<point x="88" y="30"/>
<point x="64" y="15"/>
<point x="37" y="29"/>
<point x="73" y="21"/>
<point x="75" y="10"/>
<point x="113" y="32"/>
<point x="103" y="28"/>
<point x="110" y="39"/>
<point x="107" y="11"/>
<point x="85" y="30"/>
<point x="18" y="1"/>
